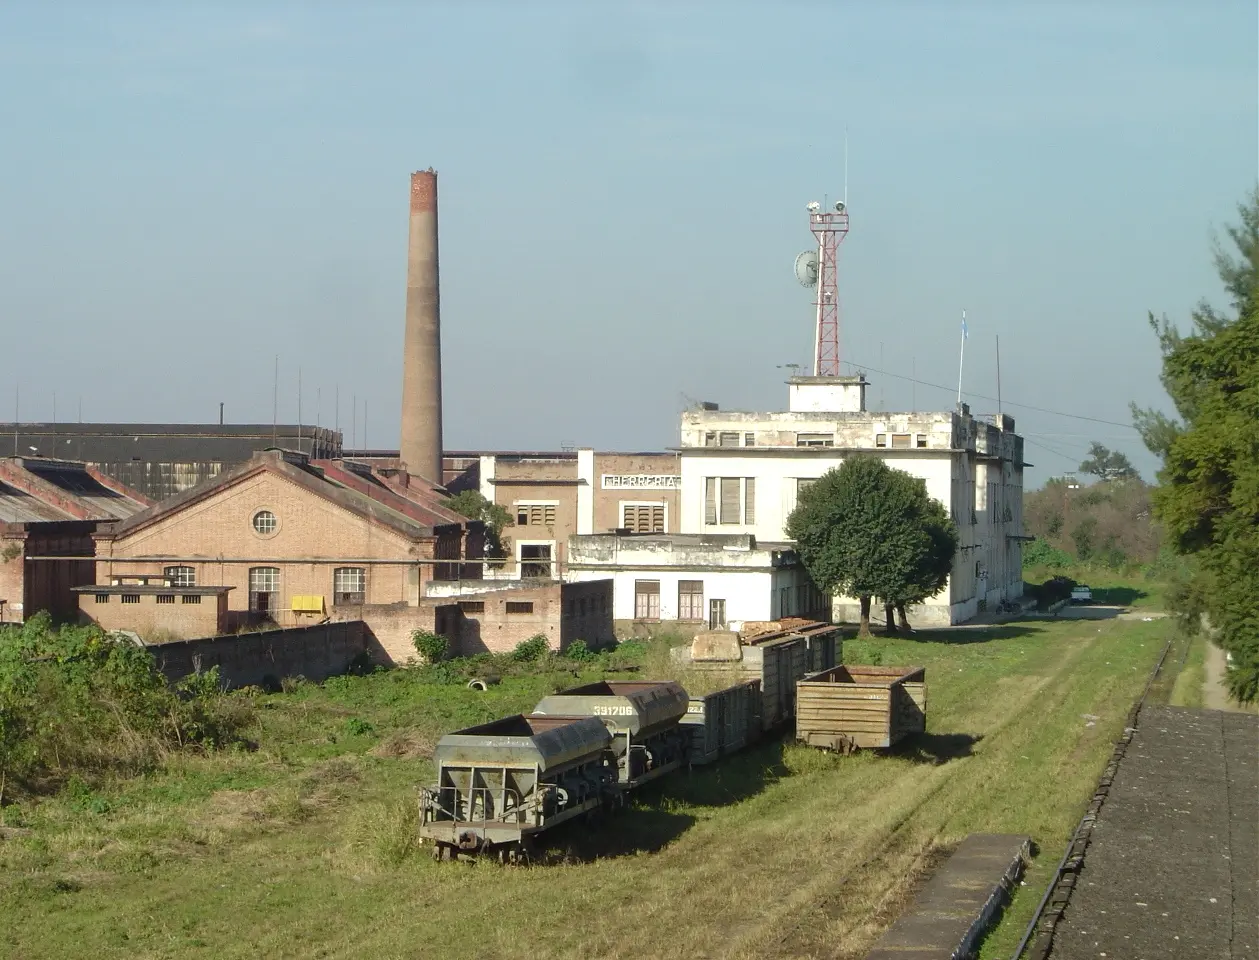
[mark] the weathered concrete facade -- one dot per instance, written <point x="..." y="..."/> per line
<point x="552" y="496"/>
<point x="691" y="582"/>
<point x="742" y="473"/>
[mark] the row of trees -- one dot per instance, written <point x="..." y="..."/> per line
<point x="1208" y="495"/>
<point x="865" y="530"/>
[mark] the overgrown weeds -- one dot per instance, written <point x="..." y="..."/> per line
<point x="77" y="705"/>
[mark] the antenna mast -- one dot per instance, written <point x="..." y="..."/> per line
<point x="830" y="228"/>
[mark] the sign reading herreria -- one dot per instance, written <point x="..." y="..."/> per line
<point x="641" y="481"/>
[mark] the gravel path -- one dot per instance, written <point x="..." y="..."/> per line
<point x="1173" y="867"/>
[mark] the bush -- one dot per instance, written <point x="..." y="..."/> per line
<point x="76" y="702"/>
<point x="431" y="646"/>
<point x="357" y="727"/>
<point x="577" y="650"/>
<point x="531" y="650"/>
<point x="1040" y="553"/>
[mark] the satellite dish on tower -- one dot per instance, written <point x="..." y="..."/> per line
<point x="806" y="268"/>
<point x="814" y="206"/>
<point x="840" y="206"/>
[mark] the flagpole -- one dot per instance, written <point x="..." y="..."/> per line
<point x="961" y="359"/>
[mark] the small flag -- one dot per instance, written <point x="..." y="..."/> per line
<point x="963" y="324"/>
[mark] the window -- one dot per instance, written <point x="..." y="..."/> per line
<point x="728" y="439"/>
<point x="716" y="614"/>
<point x="646" y="599"/>
<point x="165" y="598"/>
<point x="131" y="598"/>
<point x="535" y="514"/>
<point x="921" y="440"/>
<point x="180" y="576"/>
<point x="729" y="500"/>
<point x="264" y="585"/>
<point x="642" y="517"/>
<point x="191" y="598"/>
<point x="880" y="439"/>
<point x="749" y="439"/>
<point x="784" y="601"/>
<point x="264" y="523"/>
<point x="472" y="606"/>
<point x="349" y="585"/>
<point x="102" y="598"/>
<point x="535" y="559"/>
<point x="520" y="606"/>
<point x="900" y="441"/>
<point x="690" y="599"/>
<point x="815" y="439"/>
<point x="710" y="439"/>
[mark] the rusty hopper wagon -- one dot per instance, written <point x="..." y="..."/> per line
<point x="724" y="721"/>
<point x="642" y="717"/>
<point x="852" y="707"/>
<point x="501" y="783"/>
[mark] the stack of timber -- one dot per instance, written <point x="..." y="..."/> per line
<point x="852" y="707"/>
<point x="776" y="656"/>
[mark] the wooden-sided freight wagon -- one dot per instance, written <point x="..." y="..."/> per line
<point x="851" y="707"/>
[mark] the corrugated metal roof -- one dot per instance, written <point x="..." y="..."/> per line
<point x="17" y="506"/>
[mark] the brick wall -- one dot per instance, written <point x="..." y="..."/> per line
<point x="12" y="574"/>
<point x="389" y="628"/>
<point x="266" y="658"/>
<point x="179" y="620"/>
<point x="313" y="537"/>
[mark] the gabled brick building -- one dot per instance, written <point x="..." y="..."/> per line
<point x="297" y="541"/>
<point x="48" y="512"/>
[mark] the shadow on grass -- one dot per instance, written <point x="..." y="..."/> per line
<point x="656" y="815"/>
<point x="977" y="634"/>
<point x="936" y="748"/>
<point x="1119" y="596"/>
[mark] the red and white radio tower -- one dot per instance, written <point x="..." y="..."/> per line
<point x="830" y="228"/>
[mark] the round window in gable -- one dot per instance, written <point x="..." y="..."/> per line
<point x="264" y="522"/>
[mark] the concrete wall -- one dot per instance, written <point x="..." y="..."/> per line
<point x="266" y="658"/>
<point x="313" y="537"/>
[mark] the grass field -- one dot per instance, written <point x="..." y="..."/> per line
<point x="303" y="847"/>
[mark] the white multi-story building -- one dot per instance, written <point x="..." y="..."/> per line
<point x="741" y="474"/>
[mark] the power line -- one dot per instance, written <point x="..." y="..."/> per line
<point x="980" y="396"/>
<point x="1056" y="453"/>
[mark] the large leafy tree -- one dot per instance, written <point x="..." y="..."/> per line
<point x="473" y="505"/>
<point x="1106" y="464"/>
<point x="931" y="575"/>
<point x="1208" y="497"/>
<point x="861" y="530"/>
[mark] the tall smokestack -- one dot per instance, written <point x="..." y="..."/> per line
<point x="421" y="443"/>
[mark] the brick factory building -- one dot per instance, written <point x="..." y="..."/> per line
<point x="49" y="510"/>
<point x="298" y="541"/>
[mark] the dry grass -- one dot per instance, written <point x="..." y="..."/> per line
<point x="778" y="852"/>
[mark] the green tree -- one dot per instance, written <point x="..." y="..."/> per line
<point x="860" y="530"/>
<point x="1109" y="465"/>
<point x="473" y="505"/>
<point x="931" y="575"/>
<point x="1208" y="497"/>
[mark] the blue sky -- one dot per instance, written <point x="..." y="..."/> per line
<point x="188" y="190"/>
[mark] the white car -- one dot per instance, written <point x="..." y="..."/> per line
<point x="1081" y="594"/>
